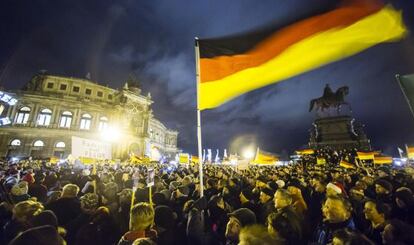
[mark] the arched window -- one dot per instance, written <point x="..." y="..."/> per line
<point x="38" y="143"/>
<point x="23" y="115"/>
<point x="103" y="123"/>
<point x="16" y="142"/>
<point x="65" y="119"/>
<point x="85" y="122"/>
<point x="44" y="117"/>
<point x="60" y="144"/>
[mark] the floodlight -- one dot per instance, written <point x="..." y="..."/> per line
<point x="248" y="153"/>
<point x="111" y="134"/>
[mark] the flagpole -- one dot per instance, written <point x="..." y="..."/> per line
<point x="200" y="148"/>
<point x="405" y="95"/>
<point x="406" y="151"/>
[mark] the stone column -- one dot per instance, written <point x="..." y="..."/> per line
<point x="34" y="115"/>
<point x="145" y="121"/>
<point x="76" y="118"/>
<point x="95" y="121"/>
<point x="54" y="122"/>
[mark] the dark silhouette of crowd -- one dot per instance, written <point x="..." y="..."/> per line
<point x="302" y="203"/>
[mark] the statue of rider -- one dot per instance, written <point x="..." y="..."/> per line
<point x="327" y="92"/>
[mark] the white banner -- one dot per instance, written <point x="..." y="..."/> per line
<point x="91" y="148"/>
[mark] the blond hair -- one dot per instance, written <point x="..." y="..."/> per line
<point x="26" y="210"/>
<point x="141" y="217"/>
<point x="70" y="190"/>
<point x="257" y="235"/>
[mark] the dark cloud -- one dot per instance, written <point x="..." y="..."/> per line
<point x="154" y="40"/>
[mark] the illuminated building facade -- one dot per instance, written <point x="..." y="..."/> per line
<point x="52" y="109"/>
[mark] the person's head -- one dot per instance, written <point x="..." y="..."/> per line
<point x="350" y="237"/>
<point x="398" y="232"/>
<point x="333" y="190"/>
<point x="256" y="235"/>
<point x="281" y="225"/>
<point x="368" y="180"/>
<point x="261" y="182"/>
<point x="404" y="198"/>
<point x="26" y="210"/>
<point x="125" y="196"/>
<point x="70" y="190"/>
<point x="164" y="218"/>
<point x="20" y="189"/>
<point x="295" y="192"/>
<point x="143" y="241"/>
<point x="110" y="190"/>
<point x="356" y="194"/>
<point x="89" y="202"/>
<point x="245" y="195"/>
<point x="336" y="209"/>
<point x="238" y="219"/>
<point x="40" y="235"/>
<point x="282" y="198"/>
<point x="101" y="215"/>
<point x="383" y="187"/>
<point x="45" y="217"/>
<point x="376" y="211"/>
<point x="186" y="180"/>
<point x="141" y="217"/>
<point x="266" y="194"/>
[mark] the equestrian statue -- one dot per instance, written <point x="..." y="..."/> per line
<point x="330" y="99"/>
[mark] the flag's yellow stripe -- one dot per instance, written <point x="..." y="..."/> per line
<point x="310" y="53"/>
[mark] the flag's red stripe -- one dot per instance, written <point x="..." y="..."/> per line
<point x="216" y="68"/>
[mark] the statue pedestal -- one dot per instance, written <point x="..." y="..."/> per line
<point x="338" y="132"/>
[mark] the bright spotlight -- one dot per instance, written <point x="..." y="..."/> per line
<point x="110" y="134"/>
<point x="248" y="153"/>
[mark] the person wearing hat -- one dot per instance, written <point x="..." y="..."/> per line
<point x="238" y="219"/>
<point x="404" y="209"/>
<point x="266" y="204"/>
<point x="383" y="190"/>
<point x="19" y="192"/>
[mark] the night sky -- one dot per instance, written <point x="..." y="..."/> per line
<point x="154" y="40"/>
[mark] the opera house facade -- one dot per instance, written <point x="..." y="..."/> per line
<point x="62" y="116"/>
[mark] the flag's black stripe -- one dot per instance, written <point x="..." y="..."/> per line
<point x="241" y="43"/>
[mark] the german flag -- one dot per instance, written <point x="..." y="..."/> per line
<point x="194" y="159"/>
<point x="235" y="65"/>
<point x="410" y="152"/>
<point x="380" y="159"/>
<point x="305" y="152"/>
<point x="366" y="155"/>
<point x="346" y="164"/>
<point x="263" y="157"/>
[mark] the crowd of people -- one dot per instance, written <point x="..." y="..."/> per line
<point x="303" y="203"/>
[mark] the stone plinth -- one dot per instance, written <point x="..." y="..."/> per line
<point x="338" y="132"/>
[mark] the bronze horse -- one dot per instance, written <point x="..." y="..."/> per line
<point x="335" y="100"/>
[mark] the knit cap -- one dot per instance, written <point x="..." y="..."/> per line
<point x="20" y="189"/>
